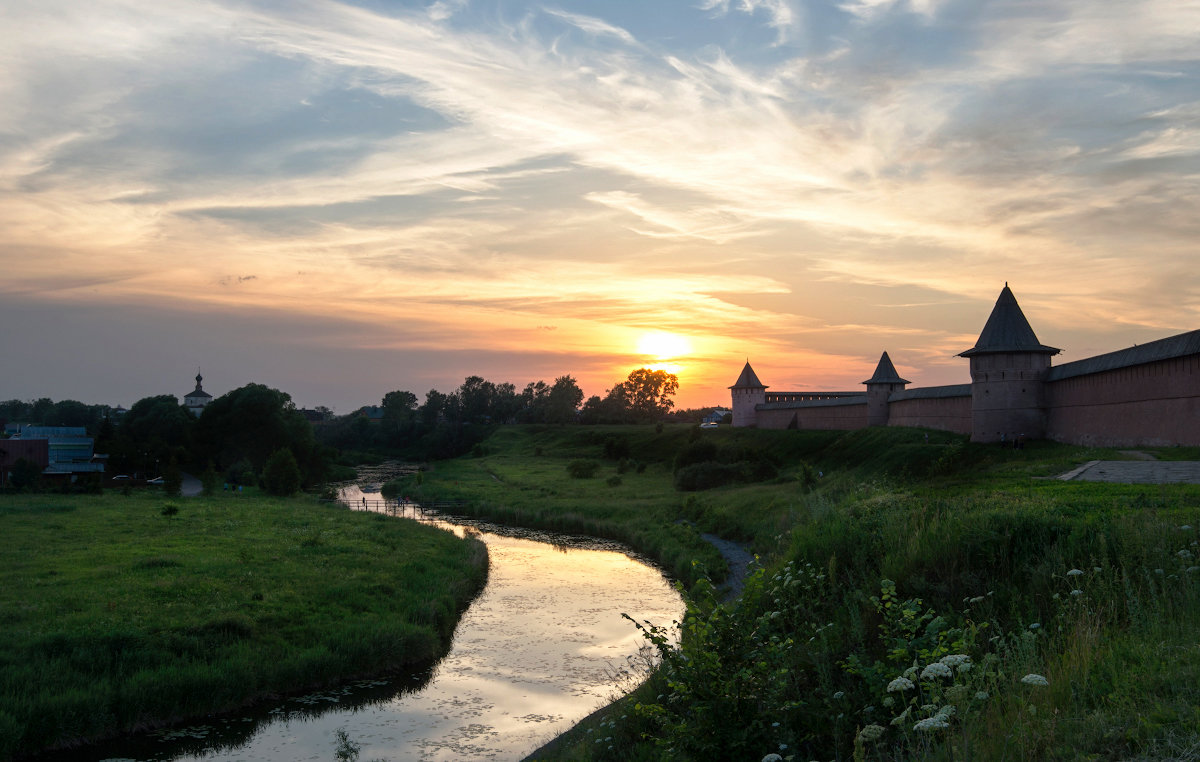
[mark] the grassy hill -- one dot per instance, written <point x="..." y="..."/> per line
<point x="128" y="612"/>
<point x="918" y="598"/>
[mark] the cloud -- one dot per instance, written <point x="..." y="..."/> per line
<point x="600" y="171"/>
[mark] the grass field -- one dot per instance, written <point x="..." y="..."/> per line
<point x="123" y="612"/>
<point x="958" y="576"/>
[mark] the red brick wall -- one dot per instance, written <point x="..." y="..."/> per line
<point x="1151" y="404"/>
<point x="819" y="417"/>
<point x="943" y="413"/>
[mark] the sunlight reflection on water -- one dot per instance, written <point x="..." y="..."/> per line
<point x="541" y="647"/>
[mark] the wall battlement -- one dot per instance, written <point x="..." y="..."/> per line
<point x="1144" y="395"/>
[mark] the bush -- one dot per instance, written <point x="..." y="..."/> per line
<point x="616" y="448"/>
<point x="281" y="474"/>
<point x="614" y="481"/>
<point x="582" y="469"/>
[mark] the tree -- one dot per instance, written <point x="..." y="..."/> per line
<point x="155" y="430"/>
<point x="25" y="473"/>
<point x="649" y="393"/>
<point x="562" y="401"/>
<point x="281" y="475"/>
<point x="251" y="423"/>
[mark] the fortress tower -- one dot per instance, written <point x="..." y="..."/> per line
<point x="747" y="392"/>
<point x="879" y="388"/>
<point x="1008" y="374"/>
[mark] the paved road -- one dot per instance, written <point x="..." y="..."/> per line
<point x="1137" y="472"/>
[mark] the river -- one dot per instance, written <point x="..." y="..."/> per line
<point x="541" y="647"/>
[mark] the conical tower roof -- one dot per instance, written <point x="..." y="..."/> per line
<point x="885" y="373"/>
<point x="748" y="379"/>
<point x="1007" y="330"/>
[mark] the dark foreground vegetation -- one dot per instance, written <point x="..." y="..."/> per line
<point x="918" y="598"/>
<point x="126" y="612"/>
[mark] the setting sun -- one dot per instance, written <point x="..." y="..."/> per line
<point x="664" y="346"/>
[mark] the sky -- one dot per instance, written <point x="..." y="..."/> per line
<point x="341" y="199"/>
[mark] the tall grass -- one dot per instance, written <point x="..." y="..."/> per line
<point x="118" y="616"/>
<point x="901" y="553"/>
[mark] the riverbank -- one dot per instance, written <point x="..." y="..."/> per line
<point x="921" y="597"/>
<point x="125" y="613"/>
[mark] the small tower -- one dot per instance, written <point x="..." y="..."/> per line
<point x="748" y="392"/>
<point x="196" y="399"/>
<point x="879" y="388"/>
<point x="1008" y="372"/>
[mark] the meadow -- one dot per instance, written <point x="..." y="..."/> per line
<point x="125" y="612"/>
<point x="917" y="598"/>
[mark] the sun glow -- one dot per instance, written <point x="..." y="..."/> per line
<point x="663" y="346"/>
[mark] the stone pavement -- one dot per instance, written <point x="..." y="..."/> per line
<point x="1137" y="472"/>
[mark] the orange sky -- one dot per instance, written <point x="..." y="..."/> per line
<point x="340" y="201"/>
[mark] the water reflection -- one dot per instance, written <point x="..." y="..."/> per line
<point x="538" y="650"/>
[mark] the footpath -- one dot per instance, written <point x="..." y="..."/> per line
<point x="1136" y="472"/>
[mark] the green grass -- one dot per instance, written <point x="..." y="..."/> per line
<point x="121" y="613"/>
<point x="978" y="540"/>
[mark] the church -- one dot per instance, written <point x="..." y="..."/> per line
<point x="1146" y="395"/>
<point x="197" y="399"/>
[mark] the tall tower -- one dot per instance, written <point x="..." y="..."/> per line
<point x="1008" y="372"/>
<point x="747" y="392"/>
<point x="879" y="387"/>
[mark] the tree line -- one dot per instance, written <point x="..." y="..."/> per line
<point x="254" y="433"/>
<point x="446" y="424"/>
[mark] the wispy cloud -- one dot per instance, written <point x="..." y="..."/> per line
<point x="604" y="172"/>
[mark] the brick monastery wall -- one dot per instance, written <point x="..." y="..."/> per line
<point x="942" y="413"/>
<point x="821" y="417"/>
<point x="1152" y="404"/>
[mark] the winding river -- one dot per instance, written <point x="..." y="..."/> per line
<point x="542" y="646"/>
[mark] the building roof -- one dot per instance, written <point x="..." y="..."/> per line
<point x="932" y="392"/>
<point x="858" y="398"/>
<point x="748" y="379"/>
<point x="197" y="393"/>
<point x="1007" y="330"/>
<point x="885" y="373"/>
<point x="1169" y="348"/>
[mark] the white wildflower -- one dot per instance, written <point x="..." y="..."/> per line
<point x="964" y="668"/>
<point x="839" y="694"/>
<point x="932" y="723"/>
<point x="1034" y="626"/>
<point x="1076" y="592"/>
<point x="911" y="672"/>
<point x="900" y="684"/>
<point x="1186" y="527"/>
<point x="1185" y="554"/>
<point x="888" y="701"/>
<point x="937" y="669"/>
<point x="772" y="757"/>
<point x="981" y="695"/>
<point x="1095" y="568"/>
<point x="1032" y="679"/>
<point x="1074" y="573"/>
<point x="1193" y="569"/>
<point x="1158" y="571"/>
<point x="953" y="660"/>
<point x="871" y="732"/>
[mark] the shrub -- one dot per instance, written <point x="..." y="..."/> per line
<point x="281" y="474"/>
<point x="616" y="448"/>
<point x="582" y="469"/>
<point x="614" y="481"/>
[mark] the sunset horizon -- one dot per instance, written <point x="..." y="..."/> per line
<point x="339" y="200"/>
